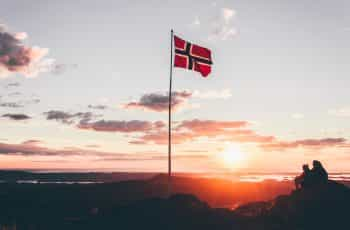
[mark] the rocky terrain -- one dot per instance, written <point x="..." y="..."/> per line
<point x="91" y="207"/>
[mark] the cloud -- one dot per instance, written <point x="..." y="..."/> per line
<point x="33" y="147"/>
<point x="305" y="143"/>
<point x="13" y="84"/>
<point x="154" y="157"/>
<point x="161" y="138"/>
<point x="100" y="107"/>
<point x="15" y="57"/>
<point x="158" y="102"/>
<point x="250" y="138"/>
<point x="222" y="27"/>
<point x="213" y="94"/>
<point x="120" y="126"/>
<point x="233" y="131"/>
<point x="33" y="101"/>
<point x="138" y="142"/>
<point x="11" y="104"/>
<point x="190" y="130"/>
<point x="20" y="103"/>
<point x="182" y="157"/>
<point x="23" y="149"/>
<point x="208" y="126"/>
<point x="32" y="142"/>
<point x="147" y="132"/>
<point x="94" y="146"/>
<point x="13" y="94"/>
<point x="17" y="116"/>
<point x="85" y="121"/>
<point x="21" y="35"/>
<point x="341" y="112"/>
<point x="68" y="118"/>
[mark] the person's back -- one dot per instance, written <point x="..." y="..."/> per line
<point x="318" y="174"/>
<point x="302" y="181"/>
<point x="307" y="177"/>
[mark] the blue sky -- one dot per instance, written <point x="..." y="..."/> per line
<point x="284" y="64"/>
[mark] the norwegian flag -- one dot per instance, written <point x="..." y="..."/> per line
<point x="191" y="56"/>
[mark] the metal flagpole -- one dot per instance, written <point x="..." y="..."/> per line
<point x="169" y="118"/>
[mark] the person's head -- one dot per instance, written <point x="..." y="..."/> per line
<point x="306" y="168"/>
<point x="316" y="164"/>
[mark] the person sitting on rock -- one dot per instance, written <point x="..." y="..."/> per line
<point x="318" y="174"/>
<point x="303" y="180"/>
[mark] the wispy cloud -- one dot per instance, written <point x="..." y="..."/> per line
<point x="11" y="104"/>
<point x="12" y="84"/>
<point x="17" y="116"/>
<point x="32" y="142"/>
<point x="304" y="143"/>
<point x="233" y="131"/>
<point x="14" y="94"/>
<point x="87" y="121"/>
<point x="148" y="132"/>
<point x="207" y="126"/>
<point x="99" y="107"/>
<point x="159" y="102"/>
<point x="120" y="126"/>
<point x="34" y="148"/>
<point x="154" y="157"/>
<point x="190" y="130"/>
<point x="222" y="26"/>
<point x="18" y="103"/>
<point x="68" y="118"/>
<point x="94" y="146"/>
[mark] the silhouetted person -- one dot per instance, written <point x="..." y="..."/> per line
<point x="318" y="174"/>
<point x="303" y="180"/>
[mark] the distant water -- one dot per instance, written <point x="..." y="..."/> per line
<point x="249" y="177"/>
<point x="54" y="182"/>
<point x="286" y="177"/>
<point x="259" y="177"/>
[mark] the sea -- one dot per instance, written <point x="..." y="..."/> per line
<point x="46" y="177"/>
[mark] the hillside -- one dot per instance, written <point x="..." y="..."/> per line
<point x="143" y="204"/>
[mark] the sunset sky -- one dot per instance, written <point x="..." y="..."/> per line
<point x="83" y="85"/>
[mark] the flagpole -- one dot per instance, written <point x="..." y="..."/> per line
<point x="169" y="117"/>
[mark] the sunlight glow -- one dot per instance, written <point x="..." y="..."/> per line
<point x="232" y="156"/>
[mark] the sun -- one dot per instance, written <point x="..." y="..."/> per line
<point x="232" y="156"/>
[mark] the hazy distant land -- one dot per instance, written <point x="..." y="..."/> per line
<point x="61" y="176"/>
